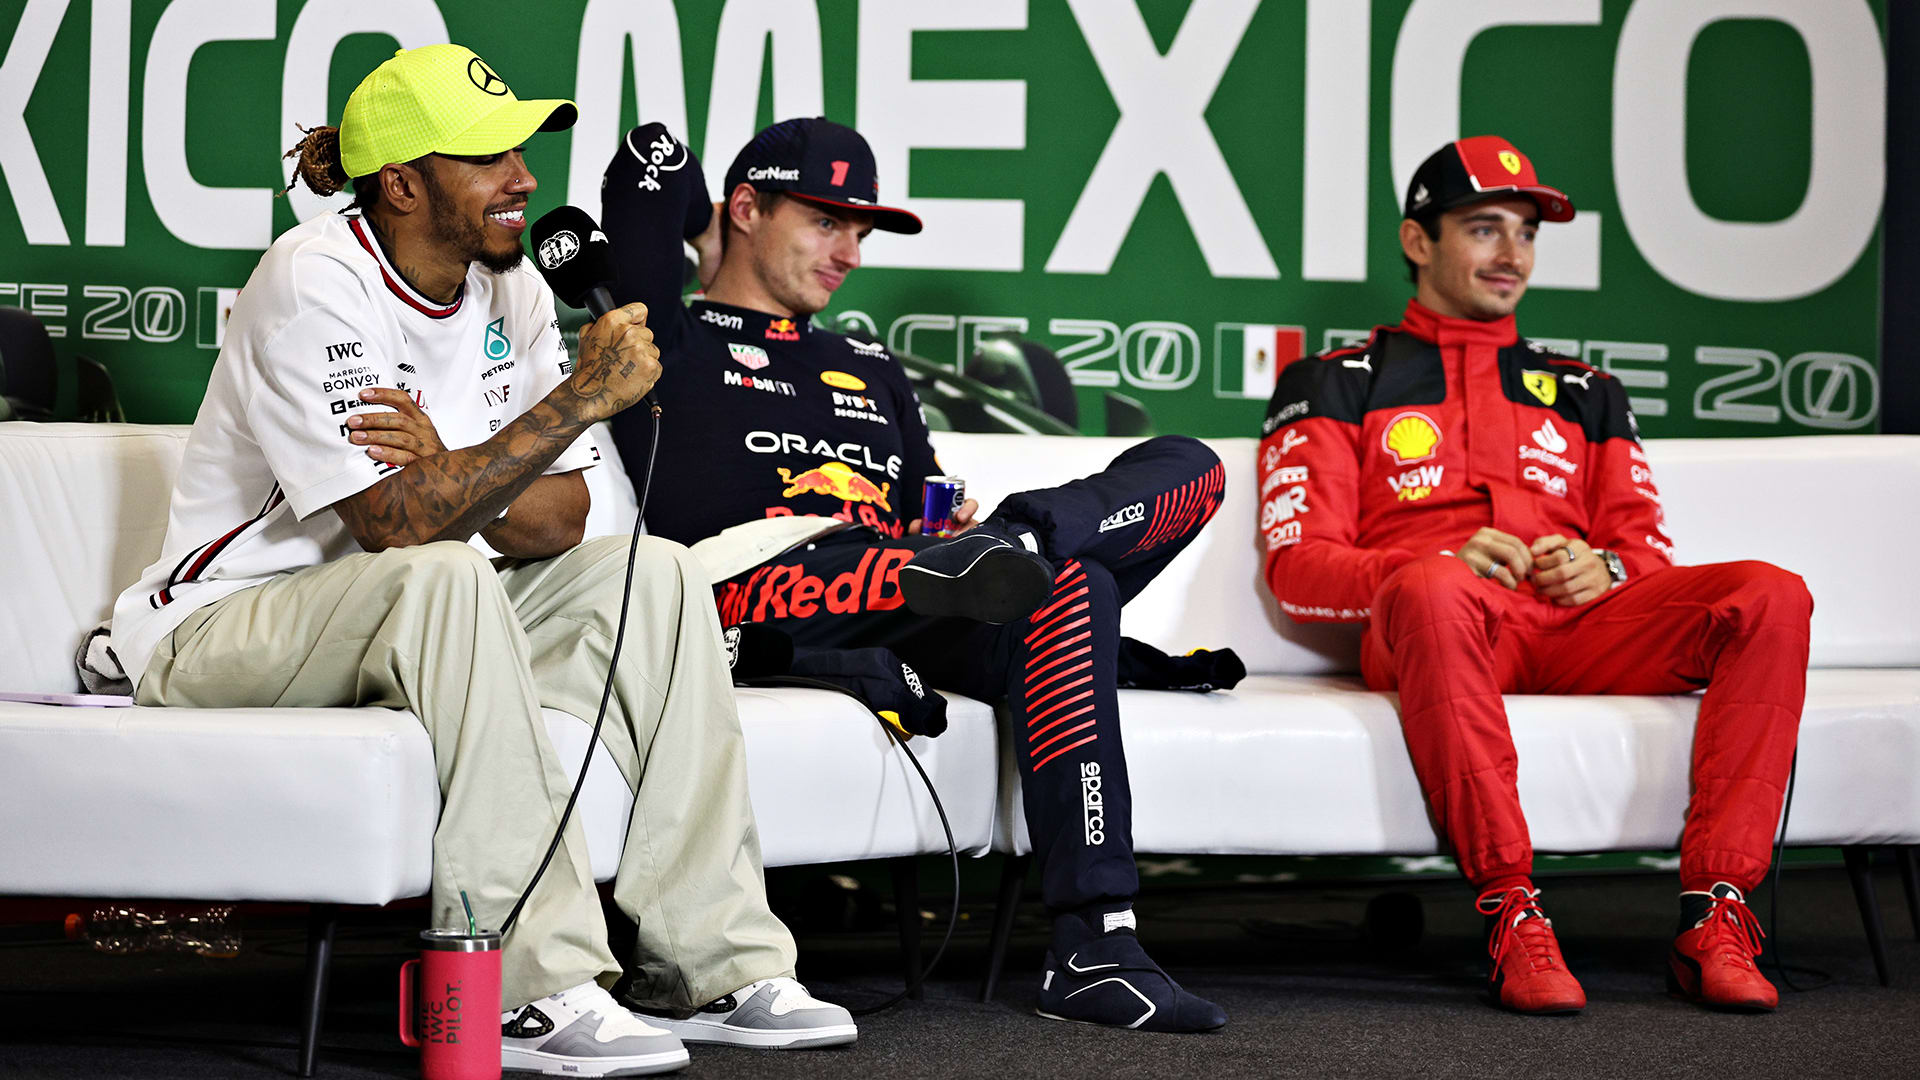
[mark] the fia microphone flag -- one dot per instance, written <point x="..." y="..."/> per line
<point x="574" y="256"/>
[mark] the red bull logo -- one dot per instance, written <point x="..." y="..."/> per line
<point x="782" y="330"/>
<point x="791" y="592"/>
<point x="837" y="480"/>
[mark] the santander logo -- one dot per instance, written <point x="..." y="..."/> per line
<point x="1549" y="438"/>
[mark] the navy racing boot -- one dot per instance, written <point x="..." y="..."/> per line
<point x="1107" y="978"/>
<point x="980" y="575"/>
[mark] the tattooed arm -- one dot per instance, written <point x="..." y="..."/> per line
<point x="456" y="493"/>
<point x="547" y="519"/>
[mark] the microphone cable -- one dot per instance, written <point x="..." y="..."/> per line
<point x="953" y="849"/>
<point x="1773" y="898"/>
<point x="599" y="721"/>
<point x="606" y="692"/>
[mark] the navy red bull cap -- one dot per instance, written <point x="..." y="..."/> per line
<point x="815" y="159"/>
<point x="1481" y="167"/>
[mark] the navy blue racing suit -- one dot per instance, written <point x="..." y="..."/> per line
<point x="765" y="415"/>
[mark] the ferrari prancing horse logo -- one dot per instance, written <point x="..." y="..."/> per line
<point x="1511" y="160"/>
<point x="1542" y="385"/>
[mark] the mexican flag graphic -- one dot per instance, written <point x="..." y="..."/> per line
<point x="1249" y="357"/>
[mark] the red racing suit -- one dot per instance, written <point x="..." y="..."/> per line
<point x="1376" y="459"/>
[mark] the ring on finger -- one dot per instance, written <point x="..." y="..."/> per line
<point x="1493" y="567"/>
<point x="1569" y="551"/>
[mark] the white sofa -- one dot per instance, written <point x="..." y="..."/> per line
<point x="1304" y="760"/>
<point x="337" y="805"/>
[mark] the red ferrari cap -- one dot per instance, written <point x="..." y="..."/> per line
<point x="1468" y="170"/>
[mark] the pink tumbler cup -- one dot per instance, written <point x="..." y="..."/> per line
<point x="450" y="1005"/>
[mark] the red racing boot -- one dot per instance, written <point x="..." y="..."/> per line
<point x="1712" y="961"/>
<point x="1527" y="971"/>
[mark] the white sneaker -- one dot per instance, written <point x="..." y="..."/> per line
<point x="772" y="1014"/>
<point x="582" y="1031"/>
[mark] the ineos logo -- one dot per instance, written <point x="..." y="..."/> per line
<point x="558" y="249"/>
<point x="484" y="78"/>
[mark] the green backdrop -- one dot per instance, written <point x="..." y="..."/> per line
<point x="1132" y="185"/>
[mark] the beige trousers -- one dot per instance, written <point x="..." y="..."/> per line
<point x="475" y="649"/>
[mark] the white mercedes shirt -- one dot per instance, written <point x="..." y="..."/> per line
<point x="323" y="317"/>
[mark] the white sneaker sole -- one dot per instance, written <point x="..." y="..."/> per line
<point x="515" y="1059"/>
<point x="697" y="1031"/>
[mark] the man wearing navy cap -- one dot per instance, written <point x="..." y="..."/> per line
<point x="775" y="430"/>
<point x="1486" y="507"/>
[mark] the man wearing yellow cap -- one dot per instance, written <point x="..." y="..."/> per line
<point x="392" y="385"/>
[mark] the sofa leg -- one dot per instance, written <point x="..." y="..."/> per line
<point x="1013" y="878"/>
<point x="322" y="921"/>
<point x="1860" y="869"/>
<point x="906" y="903"/>
<point x="1910" y="877"/>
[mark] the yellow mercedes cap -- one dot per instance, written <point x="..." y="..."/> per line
<point x="439" y="99"/>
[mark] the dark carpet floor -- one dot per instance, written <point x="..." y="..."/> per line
<point x="1308" y="994"/>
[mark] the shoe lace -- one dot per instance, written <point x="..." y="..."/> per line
<point x="1733" y="930"/>
<point x="1518" y="918"/>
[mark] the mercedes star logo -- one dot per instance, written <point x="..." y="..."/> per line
<point x="484" y="78"/>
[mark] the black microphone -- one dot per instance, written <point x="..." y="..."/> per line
<point x="575" y="257"/>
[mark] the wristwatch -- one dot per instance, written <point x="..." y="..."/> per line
<point x="1616" y="569"/>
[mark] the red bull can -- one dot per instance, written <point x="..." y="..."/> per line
<point x="940" y="501"/>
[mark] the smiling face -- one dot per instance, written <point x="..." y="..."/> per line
<point x="798" y="251"/>
<point x="1479" y="266"/>
<point x="477" y="207"/>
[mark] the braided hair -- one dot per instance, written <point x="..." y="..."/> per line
<point x="317" y="164"/>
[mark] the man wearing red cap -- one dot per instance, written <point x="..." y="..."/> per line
<point x="1485" y="506"/>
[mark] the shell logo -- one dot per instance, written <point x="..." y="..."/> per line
<point x="843" y="380"/>
<point x="1511" y="160"/>
<point x="1410" y="437"/>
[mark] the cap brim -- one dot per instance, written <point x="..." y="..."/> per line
<point x="887" y="218"/>
<point x="1553" y="203"/>
<point x="511" y="125"/>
